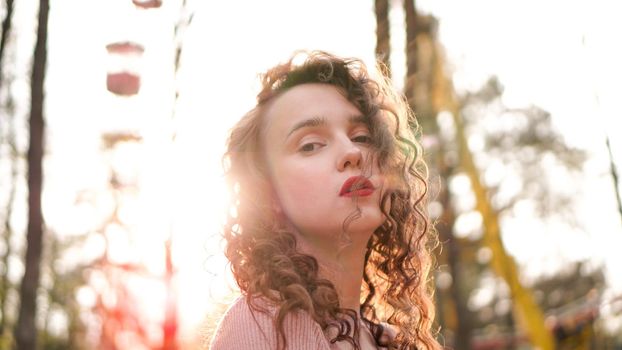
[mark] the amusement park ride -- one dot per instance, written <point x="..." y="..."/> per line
<point x="124" y="81"/>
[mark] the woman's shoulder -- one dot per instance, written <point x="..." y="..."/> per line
<point x="253" y="326"/>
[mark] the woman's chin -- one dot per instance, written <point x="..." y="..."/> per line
<point x="365" y="225"/>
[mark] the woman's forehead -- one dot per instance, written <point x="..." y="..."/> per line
<point x="313" y="101"/>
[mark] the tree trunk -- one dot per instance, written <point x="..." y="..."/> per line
<point x="462" y="332"/>
<point x="383" y="36"/>
<point x="6" y="30"/>
<point x="614" y="175"/>
<point x="410" y="14"/>
<point x="26" y="332"/>
<point x="5" y="282"/>
<point x="419" y="89"/>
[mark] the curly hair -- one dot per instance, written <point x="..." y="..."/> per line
<point x="264" y="257"/>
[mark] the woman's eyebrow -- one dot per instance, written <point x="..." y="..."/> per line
<point x="307" y="123"/>
<point x="319" y="121"/>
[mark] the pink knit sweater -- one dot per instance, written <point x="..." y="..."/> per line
<point x="242" y="328"/>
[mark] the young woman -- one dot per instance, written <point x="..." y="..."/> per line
<point x="329" y="235"/>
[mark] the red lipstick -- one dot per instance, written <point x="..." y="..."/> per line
<point x="358" y="186"/>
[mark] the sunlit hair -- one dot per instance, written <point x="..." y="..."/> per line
<point x="264" y="257"/>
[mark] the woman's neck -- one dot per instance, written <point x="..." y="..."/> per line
<point x="346" y="274"/>
<point x="343" y="266"/>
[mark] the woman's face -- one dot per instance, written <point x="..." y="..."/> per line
<point x="317" y="148"/>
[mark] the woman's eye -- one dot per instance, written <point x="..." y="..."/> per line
<point x="362" y="139"/>
<point x="309" y="147"/>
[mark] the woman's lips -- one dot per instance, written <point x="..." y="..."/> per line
<point x="358" y="186"/>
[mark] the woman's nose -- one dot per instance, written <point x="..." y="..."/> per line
<point x="351" y="157"/>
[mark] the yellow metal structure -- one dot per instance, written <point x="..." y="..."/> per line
<point x="530" y="317"/>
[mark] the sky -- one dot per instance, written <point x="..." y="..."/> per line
<point x="555" y="54"/>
